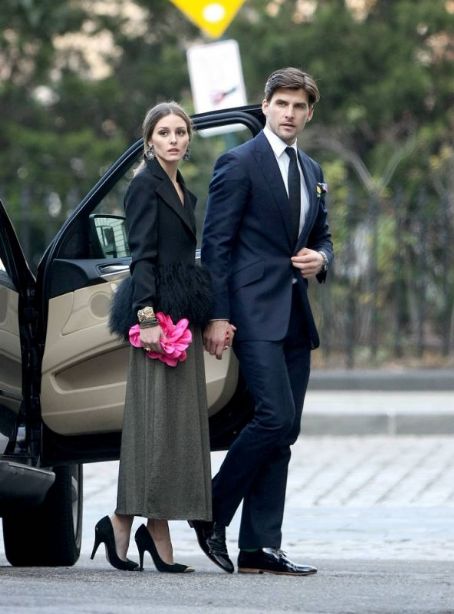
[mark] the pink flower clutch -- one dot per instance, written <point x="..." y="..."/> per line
<point x="174" y="343"/>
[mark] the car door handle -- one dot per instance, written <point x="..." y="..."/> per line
<point x="111" y="272"/>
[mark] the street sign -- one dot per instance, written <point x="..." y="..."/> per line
<point x="211" y="16"/>
<point x="216" y="78"/>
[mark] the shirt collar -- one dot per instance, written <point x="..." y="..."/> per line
<point x="278" y="145"/>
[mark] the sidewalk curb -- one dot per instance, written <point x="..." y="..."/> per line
<point x="342" y="425"/>
<point x="408" y="402"/>
<point x="379" y="379"/>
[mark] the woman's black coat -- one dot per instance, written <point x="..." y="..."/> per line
<point x="161" y="231"/>
<point x="162" y="240"/>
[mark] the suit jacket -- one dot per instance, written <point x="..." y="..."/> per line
<point x="247" y="241"/>
<point x="160" y="230"/>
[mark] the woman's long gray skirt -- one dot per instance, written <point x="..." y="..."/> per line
<point x="165" y="467"/>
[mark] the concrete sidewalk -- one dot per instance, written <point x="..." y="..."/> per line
<point x="366" y="402"/>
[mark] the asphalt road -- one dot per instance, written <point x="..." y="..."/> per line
<point x="375" y="514"/>
<point x="341" y="586"/>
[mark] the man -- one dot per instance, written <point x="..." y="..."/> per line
<point x="265" y="235"/>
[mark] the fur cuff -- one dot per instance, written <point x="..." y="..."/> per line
<point x="182" y="291"/>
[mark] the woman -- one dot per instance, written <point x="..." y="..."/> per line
<point x="164" y="461"/>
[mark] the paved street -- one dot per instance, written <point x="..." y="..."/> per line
<point x="340" y="587"/>
<point x="375" y="514"/>
<point x="348" y="497"/>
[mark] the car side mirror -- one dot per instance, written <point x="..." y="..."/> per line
<point x="108" y="235"/>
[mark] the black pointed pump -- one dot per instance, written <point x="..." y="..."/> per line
<point x="145" y="543"/>
<point x="104" y="534"/>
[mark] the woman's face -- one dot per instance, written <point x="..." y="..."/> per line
<point x="170" y="138"/>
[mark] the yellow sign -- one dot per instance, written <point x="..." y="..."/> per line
<point x="211" y="16"/>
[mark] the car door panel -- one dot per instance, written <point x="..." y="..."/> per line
<point x="16" y="285"/>
<point x="10" y="362"/>
<point x="10" y="349"/>
<point x="83" y="382"/>
<point x="83" y="369"/>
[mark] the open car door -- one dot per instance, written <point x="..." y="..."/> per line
<point x="30" y="495"/>
<point x="16" y="284"/>
<point x="20" y="479"/>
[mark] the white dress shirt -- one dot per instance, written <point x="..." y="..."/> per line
<point x="278" y="146"/>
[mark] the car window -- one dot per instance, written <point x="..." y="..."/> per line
<point x="112" y="203"/>
<point x="110" y="231"/>
<point x="14" y="271"/>
<point x="100" y="231"/>
<point x="5" y="276"/>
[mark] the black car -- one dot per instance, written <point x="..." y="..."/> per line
<point x="63" y="374"/>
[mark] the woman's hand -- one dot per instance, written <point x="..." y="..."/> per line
<point x="150" y="338"/>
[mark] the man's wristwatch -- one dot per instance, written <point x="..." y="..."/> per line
<point x="325" y="261"/>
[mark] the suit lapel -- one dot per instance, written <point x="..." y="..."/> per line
<point x="170" y="197"/>
<point x="268" y="165"/>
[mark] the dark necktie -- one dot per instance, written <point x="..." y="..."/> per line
<point x="294" y="191"/>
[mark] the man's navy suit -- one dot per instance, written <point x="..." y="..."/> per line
<point x="247" y="246"/>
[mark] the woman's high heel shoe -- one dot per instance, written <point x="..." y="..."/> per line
<point x="104" y="534"/>
<point x="145" y="542"/>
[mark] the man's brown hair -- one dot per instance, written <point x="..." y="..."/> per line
<point x="293" y="79"/>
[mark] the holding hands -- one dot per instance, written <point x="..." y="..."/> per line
<point x="218" y="336"/>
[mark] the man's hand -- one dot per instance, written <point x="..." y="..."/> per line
<point x="218" y="336"/>
<point x="308" y="261"/>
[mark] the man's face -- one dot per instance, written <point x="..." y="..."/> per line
<point x="287" y="113"/>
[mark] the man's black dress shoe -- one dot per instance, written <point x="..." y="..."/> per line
<point x="211" y="538"/>
<point x="270" y="560"/>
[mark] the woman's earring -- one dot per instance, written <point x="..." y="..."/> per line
<point x="187" y="154"/>
<point x="149" y="152"/>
